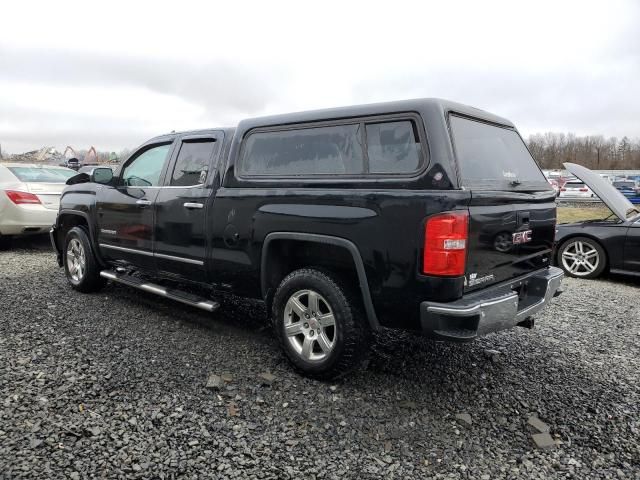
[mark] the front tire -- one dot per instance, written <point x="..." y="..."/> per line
<point x="319" y="324"/>
<point x="582" y="257"/>
<point x="80" y="265"/>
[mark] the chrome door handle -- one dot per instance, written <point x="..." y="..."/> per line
<point x="143" y="203"/>
<point x="193" y="205"/>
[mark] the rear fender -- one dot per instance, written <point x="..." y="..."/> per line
<point x="323" y="239"/>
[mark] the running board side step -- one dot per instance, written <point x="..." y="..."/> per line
<point x="173" y="294"/>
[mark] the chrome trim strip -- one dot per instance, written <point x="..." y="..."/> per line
<point x="160" y="187"/>
<point x="179" y="259"/>
<point x="128" y="250"/>
<point x="151" y="254"/>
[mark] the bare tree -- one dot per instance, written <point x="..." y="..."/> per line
<point x="552" y="149"/>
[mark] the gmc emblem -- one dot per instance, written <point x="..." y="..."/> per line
<point x="522" y="237"/>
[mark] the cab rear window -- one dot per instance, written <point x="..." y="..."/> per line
<point x="490" y="156"/>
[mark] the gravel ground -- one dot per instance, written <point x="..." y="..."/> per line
<point x="112" y="385"/>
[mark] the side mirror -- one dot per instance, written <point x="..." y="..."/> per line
<point x="102" y="175"/>
<point x="78" y="178"/>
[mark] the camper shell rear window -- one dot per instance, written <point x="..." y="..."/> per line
<point x="493" y="157"/>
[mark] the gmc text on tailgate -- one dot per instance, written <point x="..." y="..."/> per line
<point x="423" y="215"/>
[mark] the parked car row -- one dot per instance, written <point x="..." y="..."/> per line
<point x="568" y="187"/>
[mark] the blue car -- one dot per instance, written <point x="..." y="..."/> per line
<point x="629" y="188"/>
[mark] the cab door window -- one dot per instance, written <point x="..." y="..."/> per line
<point x="192" y="165"/>
<point x="146" y="169"/>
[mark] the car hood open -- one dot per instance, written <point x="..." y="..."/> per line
<point x="610" y="195"/>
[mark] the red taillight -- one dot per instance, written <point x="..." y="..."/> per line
<point x="584" y="189"/>
<point x="22" y="198"/>
<point x="563" y="189"/>
<point x="445" y="244"/>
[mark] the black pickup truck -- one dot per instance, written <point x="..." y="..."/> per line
<point x="424" y="215"/>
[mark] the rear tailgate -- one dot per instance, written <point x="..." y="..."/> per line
<point x="512" y="211"/>
<point x="510" y="234"/>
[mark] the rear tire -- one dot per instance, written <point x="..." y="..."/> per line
<point x="582" y="257"/>
<point x="319" y="324"/>
<point x="80" y="264"/>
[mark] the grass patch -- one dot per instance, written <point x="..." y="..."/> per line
<point x="580" y="214"/>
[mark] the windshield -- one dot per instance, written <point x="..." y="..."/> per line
<point x="42" y="174"/>
<point x="494" y="157"/>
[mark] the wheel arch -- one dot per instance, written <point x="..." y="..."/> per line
<point x="347" y="249"/>
<point x="67" y="219"/>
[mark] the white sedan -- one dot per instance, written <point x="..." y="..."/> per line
<point x="30" y="197"/>
<point x="576" y="189"/>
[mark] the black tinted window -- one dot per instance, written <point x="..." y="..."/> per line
<point x="193" y="163"/>
<point x="392" y="147"/>
<point x="332" y="150"/>
<point x="492" y="156"/>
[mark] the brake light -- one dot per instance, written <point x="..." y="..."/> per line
<point x="584" y="189"/>
<point x="22" y="198"/>
<point x="445" y="244"/>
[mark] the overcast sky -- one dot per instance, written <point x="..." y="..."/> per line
<point x="112" y="74"/>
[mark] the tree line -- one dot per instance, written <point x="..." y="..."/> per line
<point x="551" y="150"/>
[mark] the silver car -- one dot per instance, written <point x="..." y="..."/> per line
<point x="29" y="197"/>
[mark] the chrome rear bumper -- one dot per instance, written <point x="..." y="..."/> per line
<point x="494" y="308"/>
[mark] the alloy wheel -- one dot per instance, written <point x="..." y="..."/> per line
<point x="310" y="325"/>
<point x="76" y="260"/>
<point x="580" y="258"/>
